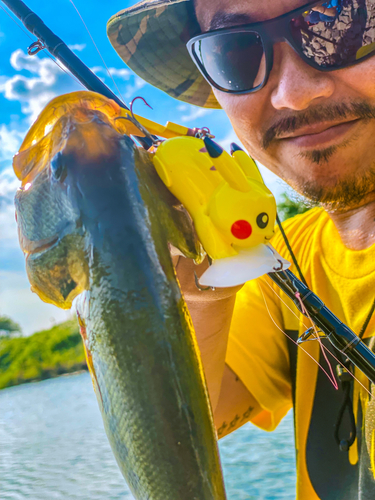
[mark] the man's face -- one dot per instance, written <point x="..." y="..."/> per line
<point x="314" y="129"/>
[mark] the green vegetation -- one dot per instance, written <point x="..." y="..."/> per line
<point x="289" y="207"/>
<point x="43" y="355"/>
<point x="8" y="327"/>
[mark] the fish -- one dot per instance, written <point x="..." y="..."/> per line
<point x="96" y="223"/>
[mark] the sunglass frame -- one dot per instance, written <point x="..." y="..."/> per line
<point x="270" y="32"/>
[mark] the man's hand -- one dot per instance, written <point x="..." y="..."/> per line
<point x="186" y="271"/>
<point x="211" y="313"/>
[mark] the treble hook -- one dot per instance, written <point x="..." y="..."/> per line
<point x="135" y="122"/>
<point x="280" y="268"/>
<point x="201" y="288"/>
<point x="133" y="101"/>
<point x="196" y="279"/>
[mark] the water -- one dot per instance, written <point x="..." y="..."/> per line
<point x="53" y="446"/>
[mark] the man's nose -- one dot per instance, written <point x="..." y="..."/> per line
<point x="296" y="84"/>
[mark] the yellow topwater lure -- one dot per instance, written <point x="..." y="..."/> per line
<point x="233" y="211"/>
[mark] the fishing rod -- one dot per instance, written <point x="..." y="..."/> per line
<point x="340" y="336"/>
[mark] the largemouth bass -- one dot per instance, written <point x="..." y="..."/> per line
<point x="95" y="220"/>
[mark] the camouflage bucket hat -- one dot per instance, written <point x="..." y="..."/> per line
<point x="151" y="38"/>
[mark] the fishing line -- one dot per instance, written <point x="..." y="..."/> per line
<point x="66" y="72"/>
<point x="329" y="352"/>
<point x="97" y="49"/>
<point x="47" y="53"/>
<point x="290" y="249"/>
<point x="19" y="25"/>
<point x="334" y="383"/>
<point x="298" y="345"/>
<point x="317" y="336"/>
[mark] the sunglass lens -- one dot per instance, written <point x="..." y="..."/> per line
<point x="234" y="62"/>
<point x="335" y="33"/>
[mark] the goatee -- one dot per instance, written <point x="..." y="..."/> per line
<point x="347" y="194"/>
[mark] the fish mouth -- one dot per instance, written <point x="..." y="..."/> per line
<point x="30" y="247"/>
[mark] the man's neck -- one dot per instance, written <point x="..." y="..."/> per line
<point x="356" y="226"/>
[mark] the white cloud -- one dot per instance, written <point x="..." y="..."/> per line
<point x="123" y="73"/>
<point x="77" y="47"/>
<point x="40" y="79"/>
<point x="193" y="112"/>
<point x="133" y="88"/>
<point x="8" y="228"/>
<point x="34" y="92"/>
<point x="9" y="144"/>
<point x="10" y="141"/>
<point x="8" y="184"/>
<point x="37" y="103"/>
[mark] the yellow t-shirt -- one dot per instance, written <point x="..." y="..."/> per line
<point x="261" y="355"/>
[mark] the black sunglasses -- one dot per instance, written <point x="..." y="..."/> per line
<point x="327" y="35"/>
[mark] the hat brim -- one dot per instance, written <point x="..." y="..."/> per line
<point x="151" y="38"/>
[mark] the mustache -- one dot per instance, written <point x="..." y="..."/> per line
<point x="349" y="111"/>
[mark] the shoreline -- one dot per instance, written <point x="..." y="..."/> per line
<point x="76" y="371"/>
<point x="41" y="356"/>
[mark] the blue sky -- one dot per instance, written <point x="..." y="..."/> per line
<point x="27" y="84"/>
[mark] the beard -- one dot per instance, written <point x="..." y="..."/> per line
<point x="347" y="194"/>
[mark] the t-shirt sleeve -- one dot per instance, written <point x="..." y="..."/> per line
<point x="258" y="353"/>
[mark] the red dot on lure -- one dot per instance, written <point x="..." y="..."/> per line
<point x="241" y="229"/>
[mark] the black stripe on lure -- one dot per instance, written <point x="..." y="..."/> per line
<point x="234" y="213"/>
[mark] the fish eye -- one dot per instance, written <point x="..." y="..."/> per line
<point x="262" y="220"/>
<point x="57" y="166"/>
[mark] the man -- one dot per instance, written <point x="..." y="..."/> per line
<point x="325" y="13"/>
<point x="301" y="98"/>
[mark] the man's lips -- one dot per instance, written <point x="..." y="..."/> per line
<point x="319" y="134"/>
